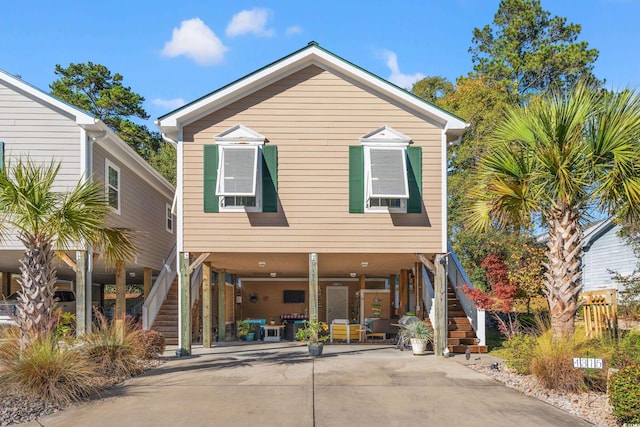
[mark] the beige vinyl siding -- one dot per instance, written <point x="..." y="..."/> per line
<point x="142" y="209"/>
<point x="29" y="128"/>
<point x="313" y="116"/>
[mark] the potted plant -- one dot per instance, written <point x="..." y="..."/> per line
<point x="313" y="333"/>
<point x="419" y="333"/>
<point x="244" y="331"/>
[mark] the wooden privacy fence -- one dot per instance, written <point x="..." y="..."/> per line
<point x="600" y="312"/>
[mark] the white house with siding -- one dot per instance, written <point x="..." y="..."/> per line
<point x="37" y="125"/>
<point x="605" y="252"/>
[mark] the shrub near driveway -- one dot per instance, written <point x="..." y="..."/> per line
<point x="624" y="394"/>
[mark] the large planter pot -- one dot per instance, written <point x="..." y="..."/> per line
<point x="250" y="336"/>
<point x="315" y="350"/>
<point x="418" y="346"/>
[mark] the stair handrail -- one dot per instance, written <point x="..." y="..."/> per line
<point x="160" y="289"/>
<point x="428" y="294"/>
<point x="458" y="278"/>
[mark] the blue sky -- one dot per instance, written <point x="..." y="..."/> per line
<point x="175" y="52"/>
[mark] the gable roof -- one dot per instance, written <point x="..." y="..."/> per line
<point x="97" y="129"/>
<point x="312" y="54"/>
<point x="81" y="117"/>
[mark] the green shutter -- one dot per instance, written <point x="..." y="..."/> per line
<point x="211" y="201"/>
<point x="270" y="178"/>
<point x="356" y="179"/>
<point x="1" y="156"/>
<point x="414" y="176"/>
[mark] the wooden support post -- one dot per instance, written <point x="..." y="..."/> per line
<point x="121" y="297"/>
<point x="184" y="305"/>
<point x="222" y="320"/>
<point x="6" y="284"/>
<point x="147" y="282"/>
<point x="392" y="293"/>
<point x="363" y="286"/>
<point x="206" y="306"/>
<point x="440" y="305"/>
<point x="313" y="286"/>
<point x="417" y="288"/>
<point x="403" y="294"/>
<point x="81" y="288"/>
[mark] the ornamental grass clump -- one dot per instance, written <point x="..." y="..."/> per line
<point x="552" y="364"/>
<point x="45" y="368"/>
<point x="113" y="348"/>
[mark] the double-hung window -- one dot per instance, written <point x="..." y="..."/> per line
<point x="112" y="185"/>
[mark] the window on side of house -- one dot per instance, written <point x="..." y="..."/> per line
<point x="385" y="173"/>
<point x="112" y="185"/>
<point x="237" y="182"/>
<point x="169" y="218"/>
<point x="386" y="184"/>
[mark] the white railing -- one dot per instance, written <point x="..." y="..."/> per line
<point x="428" y="294"/>
<point x="458" y="279"/>
<point x="159" y="291"/>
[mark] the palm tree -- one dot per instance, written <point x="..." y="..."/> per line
<point x="556" y="160"/>
<point x="47" y="220"/>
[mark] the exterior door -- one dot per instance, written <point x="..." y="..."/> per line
<point x="337" y="303"/>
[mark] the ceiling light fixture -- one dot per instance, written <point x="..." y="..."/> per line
<point x="364" y="264"/>
<point x="352" y="274"/>
<point x="261" y="264"/>
<point x="273" y="274"/>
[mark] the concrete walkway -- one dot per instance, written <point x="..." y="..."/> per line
<point x="277" y="384"/>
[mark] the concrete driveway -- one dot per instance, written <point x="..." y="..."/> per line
<point x="277" y="384"/>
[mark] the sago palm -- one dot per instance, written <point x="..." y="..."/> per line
<point x="555" y="160"/>
<point x="47" y="220"/>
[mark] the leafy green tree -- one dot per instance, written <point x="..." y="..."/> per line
<point x="530" y="51"/>
<point x="164" y="161"/>
<point x="93" y="88"/>
<point x="432" y="88"/>
<point x="44" y="218"/>
<point x="556" y="159"/>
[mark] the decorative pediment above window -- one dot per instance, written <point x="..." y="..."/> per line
<point x="240" y="134"/>
<point x="385" y="135"/>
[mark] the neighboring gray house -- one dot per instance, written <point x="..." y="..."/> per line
<point x="35" y="124"/>
<point x="605" y="251"/>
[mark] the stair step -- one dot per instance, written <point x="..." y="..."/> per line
<point x="461" y="334"/>
<point x="472" y="348"/>
<point x="170" y="323"/>
<point x="462" y="341"/>
<point x="463" y="327"/>
<point x="459" y="320"/>
<point x="456" y="313"/>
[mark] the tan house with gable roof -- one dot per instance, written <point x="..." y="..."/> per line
<point x="311" y="174"/>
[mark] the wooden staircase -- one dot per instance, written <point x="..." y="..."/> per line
<point x="461" y="335"/>
<point x="167" y="319"/>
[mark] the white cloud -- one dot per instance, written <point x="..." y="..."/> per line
<point x="250" y="21"/>
<point x="396" y="77"/>
<point x="168" y="104"/>
<point x="196" y="41"/>
<point x="296" y="29"/>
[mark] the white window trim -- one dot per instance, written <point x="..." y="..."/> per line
<point x="109" y="164"/>
<point x="169" y="215"/>
<point x="258" y="185"/>
<point x="367" y="173"/>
